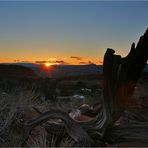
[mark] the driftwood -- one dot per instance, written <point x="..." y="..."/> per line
<point x="120" y="78"/>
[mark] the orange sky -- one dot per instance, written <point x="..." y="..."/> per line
<point x="70" y="32"/>
<point x="69" y="60"/>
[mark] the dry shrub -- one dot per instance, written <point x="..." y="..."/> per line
<point x="16" y="108"/>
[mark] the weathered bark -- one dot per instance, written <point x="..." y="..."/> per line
<point x="120" y="78"/>
<point x="131" y="132"/>
<point x="121" y="75"/>
<point x="74" y="130"/>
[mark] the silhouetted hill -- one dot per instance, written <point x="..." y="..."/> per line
<point x="26" y="64"/>
<point x="16" y="71"/>
<point x="59" y="71"/>
<point x="73" y="70"/>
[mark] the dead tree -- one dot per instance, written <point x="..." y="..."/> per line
<point x="120" y="78"/>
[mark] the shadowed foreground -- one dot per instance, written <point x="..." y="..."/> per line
<point x="24" y="123"/>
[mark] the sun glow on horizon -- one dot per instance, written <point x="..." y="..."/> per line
<point x="48" y="64"/>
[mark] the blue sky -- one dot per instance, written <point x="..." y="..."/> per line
<point x="31" y="31"/>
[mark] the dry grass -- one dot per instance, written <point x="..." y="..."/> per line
<point x="17" y="108"/>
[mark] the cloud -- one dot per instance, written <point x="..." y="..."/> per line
<point x="51" y="61"/>
<point x="100" y="62"/>
<point x="26" y="61"/>
<point x="61" y="62"/>
<point x="83" y="63"/>
<point x="77" y="58"/>
<point x="16" y="60"/>
<point x="88" y="62"/>
<point x="20" y="61"/>
<point x="40" y="62"/>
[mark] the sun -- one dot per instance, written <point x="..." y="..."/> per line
<point x="48" y="64"/>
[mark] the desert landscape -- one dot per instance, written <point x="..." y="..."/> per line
<point x="73" y="73"/>
<point x="104" y="109"/>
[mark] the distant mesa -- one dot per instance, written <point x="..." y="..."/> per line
<point x="16" y="71"/>
<point x="55" y="71"/>
<point x="58" y="71"/>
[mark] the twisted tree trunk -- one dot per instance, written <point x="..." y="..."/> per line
<point x="121" y="75"/>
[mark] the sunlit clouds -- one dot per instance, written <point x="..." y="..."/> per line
<point x="72" y="60"/>
<point x="77" y="58"/>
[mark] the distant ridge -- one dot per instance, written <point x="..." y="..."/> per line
<point x="55" y="71"/>
<point x="74" y="70"/>
<point x="26" y="64"/>
<point x="16" y="71"/>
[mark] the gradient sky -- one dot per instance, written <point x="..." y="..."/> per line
<point x="72" y="32"/>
